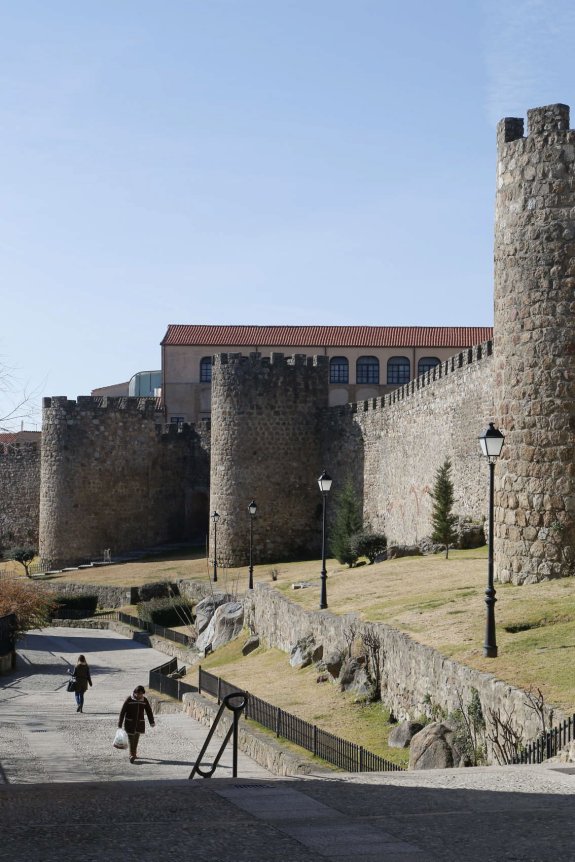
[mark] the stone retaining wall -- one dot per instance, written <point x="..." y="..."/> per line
<point x="412" y="673"/>
<point x="108" y="596"/>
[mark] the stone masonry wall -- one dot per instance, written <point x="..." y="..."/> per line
<point x="411" y="672"/>
<point x="535" y="346"/>
<point x="111" y="479"/>
<point x="20" y="492"/>
<point x="391" y="447"/>
<point x="266" y="444"/>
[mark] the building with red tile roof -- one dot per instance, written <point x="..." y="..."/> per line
<point x="364" y="361"/>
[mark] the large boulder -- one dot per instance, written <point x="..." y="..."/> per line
<point x="434" y="747"/>
<point x="225" y="625"/>
<point x="333" y="664"/>
<point x="251" y="644"/>
<point x="353" y="677"/>
<point x="305" y="652"/>
<point x="403" y="733"/>
<point x="207" y="607"/>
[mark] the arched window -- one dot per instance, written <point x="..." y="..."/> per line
<point x="338" y="370"/>
<point x="367" y="369"/>
<point x="206" y="369"/>
<point x="398" y="370"/>
<point x="426" y="363"/>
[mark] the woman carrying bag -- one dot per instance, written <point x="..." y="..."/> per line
<point x="81" y="675"/>
<point x="133" y="717"/>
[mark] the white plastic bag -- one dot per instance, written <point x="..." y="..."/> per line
<point x="121" y="738"/>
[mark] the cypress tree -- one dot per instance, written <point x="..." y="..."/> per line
<point x="442" y="521"/>
<point x="347" y="522"/>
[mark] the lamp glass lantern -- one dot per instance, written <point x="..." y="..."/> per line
<point x="491" y="442"/>
<point x="324" y="482"/>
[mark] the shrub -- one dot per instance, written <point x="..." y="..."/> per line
<point x="31" y="603"/>
<point x="157" y="590"/>
<point x="369" y="545"/>
<point x="166" y="612"/>
<point x="347" y="522"/>
<point x="24" y="556"/>
<point x="75" y="607"/>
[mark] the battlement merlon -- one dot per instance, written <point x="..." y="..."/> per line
<point x="540" y="121"/>
<point x="275" y="359"/>
<point x="93" y="403"/>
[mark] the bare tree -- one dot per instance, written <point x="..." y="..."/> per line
<point x="373" y="644"/>
<point x="350" y="634"/>
<point x="536" y="701"/>
<point x="504" y="736"/>
<point x="17" y="404"/>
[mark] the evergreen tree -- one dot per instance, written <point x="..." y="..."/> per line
<point x="443" y="522"/>
<point x="347" y="522"/>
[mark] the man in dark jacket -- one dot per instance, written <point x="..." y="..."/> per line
<point x="133" y="718"/>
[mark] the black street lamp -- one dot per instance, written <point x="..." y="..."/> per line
<point x="215" y="519"/>
<point x="252" y="509"/>
<point x="324" y="483"/>
<point x="491" y="445"/>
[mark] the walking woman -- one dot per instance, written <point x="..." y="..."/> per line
<point x="81" y="674"/>
<point x="133" y="717"/>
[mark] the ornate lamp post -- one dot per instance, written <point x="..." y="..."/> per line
<point x="491" y="445"/>
<point x="215" y="519"/>
<point x="252" y="509"/>
<point x="324" y="483"/>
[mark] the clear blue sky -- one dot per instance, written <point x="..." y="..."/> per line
<point x="252" y="161"/>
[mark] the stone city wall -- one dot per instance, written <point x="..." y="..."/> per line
<point x="266" y="444"/>
<point x="391" y="447"/>
<point x="411" y="674"/>
<point x="20" y="492"/>
<point x="112" y="477"/>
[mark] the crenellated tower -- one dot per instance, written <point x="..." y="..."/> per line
<point x="113" y="476"/>
<point x="534" y="346"/>
<point x="266" y="444"/>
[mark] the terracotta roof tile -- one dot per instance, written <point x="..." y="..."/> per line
<point x="325" y="336"/>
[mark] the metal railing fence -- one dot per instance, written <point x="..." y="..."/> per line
<point x="161" y="682"/>
<point x="152" y="628"/>
<point x="333" y="749"/>
<point x="549" y="744"/>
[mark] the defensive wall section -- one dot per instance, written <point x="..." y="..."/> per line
<point x="112" y="477"/>
<point x="266" y="444"/>
<point x="391" y="447"/>
<point x="535" y="346"/>
<point x="20" y="493"/>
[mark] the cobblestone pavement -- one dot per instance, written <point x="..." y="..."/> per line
<point x="69" y="795"/>
<point x="44" y="739"/>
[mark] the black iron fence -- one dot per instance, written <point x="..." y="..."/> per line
<point x="7" y="634"/>
<point x="335" y="750"/>
<point x="549" y="744"/>
<point x="165" y="679"/>
<point x="152" y="628"/>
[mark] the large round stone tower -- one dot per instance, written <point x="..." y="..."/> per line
<point x="266" y="445"/>
<point x="535" y="346"/>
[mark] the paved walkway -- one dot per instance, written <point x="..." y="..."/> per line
<point x="71" y="796"/>
<point x="44" y="739"/>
